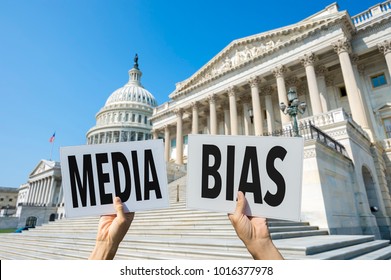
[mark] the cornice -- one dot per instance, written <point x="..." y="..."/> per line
<point x="223" y="63"/>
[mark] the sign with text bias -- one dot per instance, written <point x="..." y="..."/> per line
<point x="93" y="174"/>
<point x="267" y="169"/>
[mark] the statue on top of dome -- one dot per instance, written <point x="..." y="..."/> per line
<point x="136" y="61"/>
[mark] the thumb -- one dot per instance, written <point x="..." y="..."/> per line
<point x="119" y="208"/>
<point x="241" y="204"/>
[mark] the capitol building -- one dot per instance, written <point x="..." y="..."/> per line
<point x="335" y="68"/>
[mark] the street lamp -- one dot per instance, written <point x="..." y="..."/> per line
<point x="251" y="115"/>
<point x="294" y="106"/>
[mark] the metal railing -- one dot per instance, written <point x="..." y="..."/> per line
<point x="39" y="204"/>
<point x="308" y="131"/>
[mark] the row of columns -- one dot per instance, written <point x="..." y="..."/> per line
<point x="317" y="91"/>
<point x="110" y="137"/>
<point x="41" y="191"/>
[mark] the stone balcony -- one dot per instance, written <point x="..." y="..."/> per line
<point x="376" y="11"/>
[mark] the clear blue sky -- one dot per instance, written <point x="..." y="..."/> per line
<point x="60" y="60"/>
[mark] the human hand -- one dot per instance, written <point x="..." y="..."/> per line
<point x="254" y="232"/>
<point x="111" y="231"/>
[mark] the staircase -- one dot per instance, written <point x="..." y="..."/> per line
<point x="180" y="233"/>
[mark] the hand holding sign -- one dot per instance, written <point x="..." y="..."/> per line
<point x="133" y="171"/>
<point x="267" y="169"/>
<point x="112" y="229"/>
<point x="254" y="232"/>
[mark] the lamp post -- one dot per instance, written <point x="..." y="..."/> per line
<point x="251" y="115"/>
<point x="293" y="108"/>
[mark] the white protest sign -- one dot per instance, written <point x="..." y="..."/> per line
<point x="267" y="169"/>
<point x="93" y="174"/>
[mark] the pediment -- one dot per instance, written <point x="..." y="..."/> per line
<point x="43" y="165"/>
<point x="246" y="50"/>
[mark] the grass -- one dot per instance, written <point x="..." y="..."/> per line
<point x="7" y="230"/>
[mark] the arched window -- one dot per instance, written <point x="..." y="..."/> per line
<point x="31" y="221"/>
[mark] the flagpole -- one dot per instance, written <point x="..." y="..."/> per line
<point x="51" y="151"/>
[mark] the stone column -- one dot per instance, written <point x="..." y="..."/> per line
<point x="179" y="137"/>
<point x="321" y="80"/>
<point x="233" y="110"/>
<point x="33" y="198"/>
<point x="31" y="192"/>
<point x="194" y="127"/>
<point x="246" y="118"/>
<point x="45" y="191"/>
<point x="167" y="143"/>
<point x="35" y="191"/>
<point x="227" y="121"/>
<point x="342" y="48"/>
<point x="332" y="90"/>
<point x="51" y="191"/>
<point x="308" y="63"/>
<point x="385" y="48"/>
<point x="269" y="109"/>
<point x="282" y="97"/>
<point x="38" y="192"/>
<point x="212" y="114"/>
<point x="256" y="103"/>
<point x="155" y="134"/>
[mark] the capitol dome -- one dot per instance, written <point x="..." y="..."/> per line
<point x="126" y="113"/>
<point x="132" y="92"/>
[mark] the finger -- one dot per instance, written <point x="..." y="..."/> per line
<point x="240" y="204"/>
<point x="119" y="208"/>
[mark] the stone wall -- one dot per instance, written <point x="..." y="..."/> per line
<point x="328" y="196"/>
<point x="8" y="222"/>
<point x="41" y="213"/>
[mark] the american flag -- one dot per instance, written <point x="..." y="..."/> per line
<point x="51" y="139"/>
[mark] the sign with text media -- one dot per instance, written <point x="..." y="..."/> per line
<point x="93" y="174"/>
<point x="267" y="169"/>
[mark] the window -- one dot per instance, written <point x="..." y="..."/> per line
<point x="387" y="127"/>
<point x="139" y="118"/>
<point x="342" y="92"/>
<point x="378" y="80"/>
<point x="31" y="221"/>
<point x="145" y="119"/>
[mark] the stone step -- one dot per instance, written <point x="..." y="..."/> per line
<point x="180" y="233"/>
<point x="185" y="249"/>
<point x="306" y="246"/>
<point x="163" y="248"/>
<point x="352" y="252"/>
<point x="380" y="254"/>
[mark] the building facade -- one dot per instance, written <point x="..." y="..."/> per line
<point x="340" y="67"/>
<point x="41" y="200"/>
